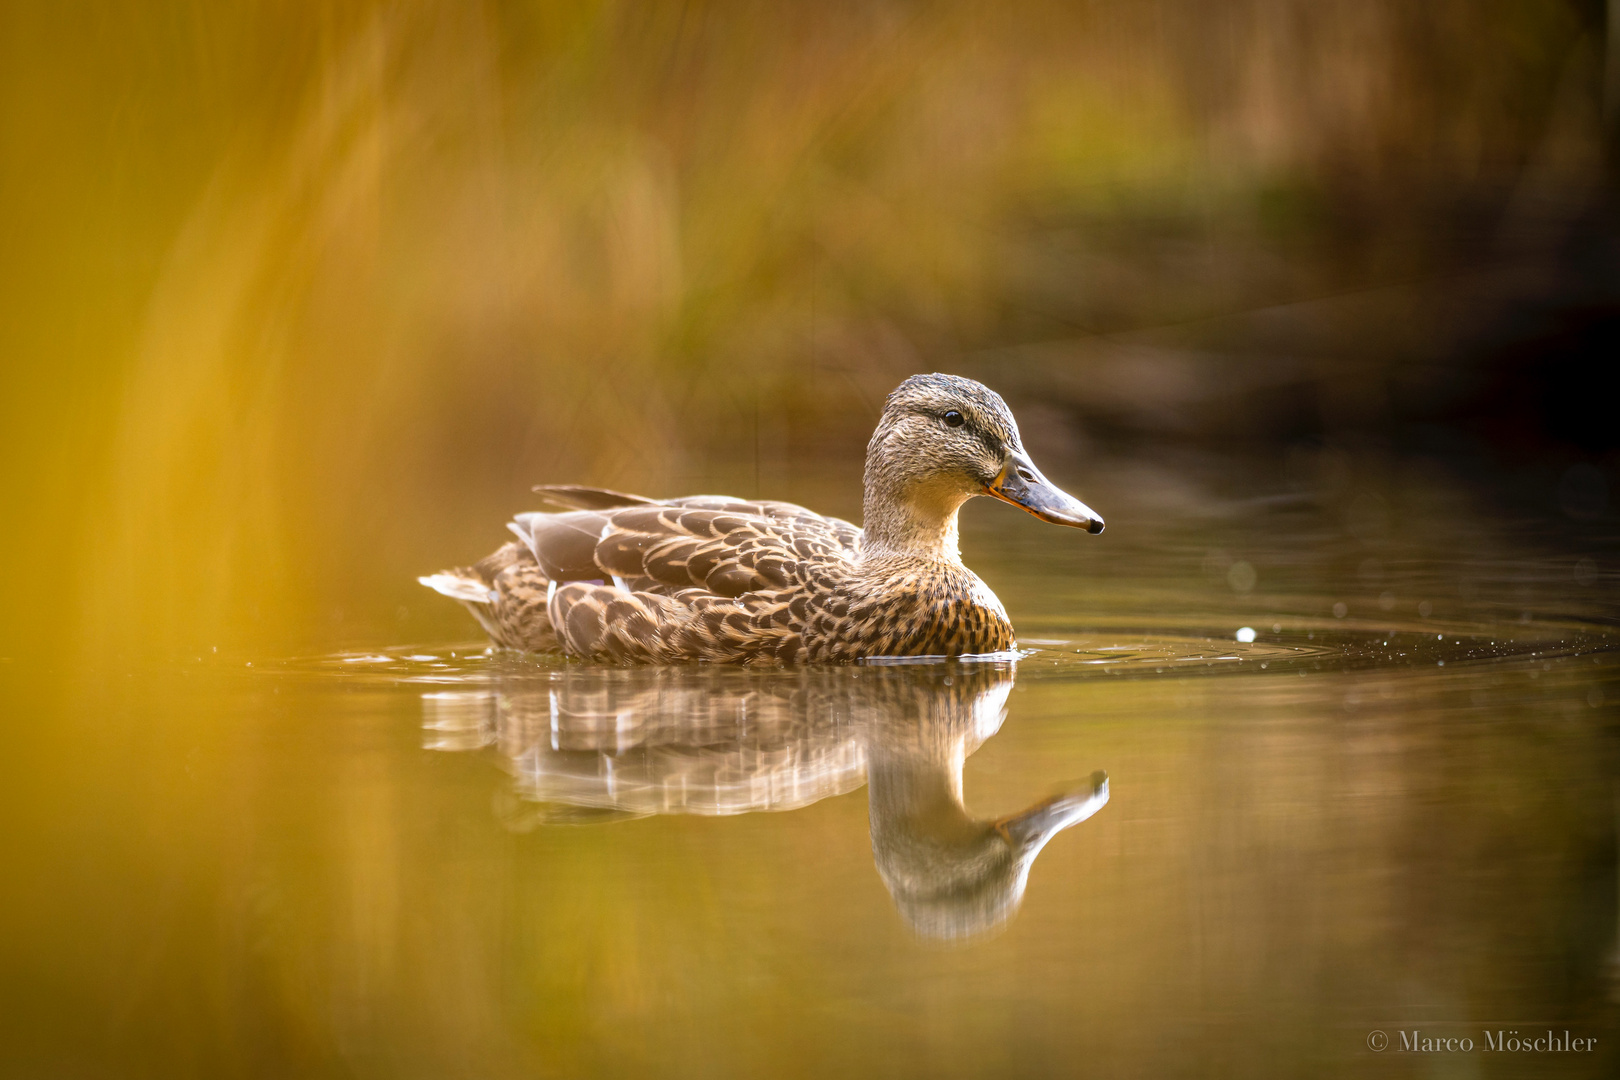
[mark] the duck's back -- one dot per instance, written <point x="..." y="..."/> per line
<point x="633" y="579"/>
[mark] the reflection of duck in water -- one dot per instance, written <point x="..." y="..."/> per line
<point x="590" y="743"/>
<point x="953" y="875"/>
<point x="622" y="577"/>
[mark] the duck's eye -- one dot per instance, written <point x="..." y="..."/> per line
<point x="953" y="418"/>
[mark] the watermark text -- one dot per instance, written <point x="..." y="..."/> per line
<point x="1499" y="1041"/>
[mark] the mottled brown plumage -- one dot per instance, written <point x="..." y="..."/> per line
<point x="625" y="578"/>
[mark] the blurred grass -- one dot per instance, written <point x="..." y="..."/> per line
<point x="300" y="299"/>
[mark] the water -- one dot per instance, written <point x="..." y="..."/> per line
<point x="299" y="300"/>
<point x="1145" y="847"/>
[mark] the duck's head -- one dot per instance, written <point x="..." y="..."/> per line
<point x="942" y="440"/>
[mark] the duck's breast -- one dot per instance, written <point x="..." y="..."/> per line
<point x="969" y="618"/>
<point x="930" y="610"/>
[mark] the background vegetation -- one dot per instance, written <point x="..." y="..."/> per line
<point x="298" y="299"/>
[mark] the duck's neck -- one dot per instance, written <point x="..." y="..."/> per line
<point x="916" y="520"/>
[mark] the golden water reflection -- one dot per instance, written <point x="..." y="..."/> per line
<point x="592" y="744"/>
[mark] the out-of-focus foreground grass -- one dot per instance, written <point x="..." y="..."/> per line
<point x="299" y="298"/>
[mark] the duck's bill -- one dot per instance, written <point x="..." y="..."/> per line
<point x="1022" y="484"/>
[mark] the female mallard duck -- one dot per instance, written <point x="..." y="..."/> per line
<point x="625" y="578"/>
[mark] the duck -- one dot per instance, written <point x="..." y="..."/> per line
<point x="627" y="579"/>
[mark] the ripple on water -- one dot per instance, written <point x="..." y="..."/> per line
<point x="1147" y="652"/>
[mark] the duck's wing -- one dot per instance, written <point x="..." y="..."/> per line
<point x="725" y="547"/>
<point x="791" y="515"/>
<point x="783" y="516"/>
<point x="721" y="551"/>
<point x="563" y="544"/>
<point x="576" y="497"/>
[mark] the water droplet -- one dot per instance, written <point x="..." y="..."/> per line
<point x="1245" y="633"/>
<point x="1340" y="610"/>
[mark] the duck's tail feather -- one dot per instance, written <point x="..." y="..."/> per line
<point x="507" y="593"/>
<point x="460" y="585"/>
<point x="475" y="594"/>
<point x="477" y="584"/>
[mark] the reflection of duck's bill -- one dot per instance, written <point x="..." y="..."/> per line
<point x="1022" y="485"/>
<point x="1030" y="830"/>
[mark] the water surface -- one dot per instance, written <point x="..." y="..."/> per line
<point x="1144" y="847"/>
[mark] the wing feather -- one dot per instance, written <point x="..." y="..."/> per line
<point x="727" y="547"/>
<point x="623" y="578"/>
<point x="563" y="544"/>
<point x="576" y="497"/>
